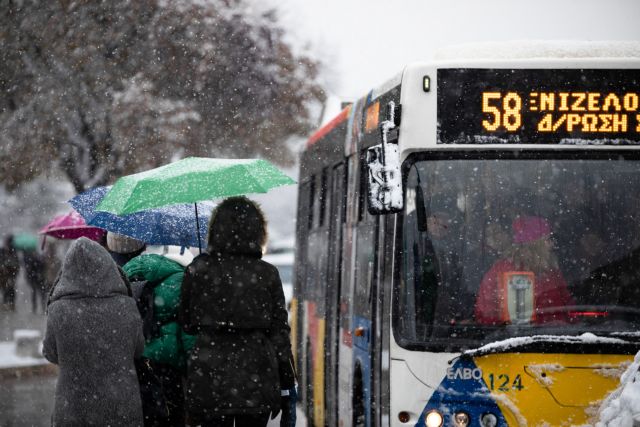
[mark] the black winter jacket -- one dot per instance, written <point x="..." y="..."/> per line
<point x="233" y="301"/>
<point x="242" y="356"/>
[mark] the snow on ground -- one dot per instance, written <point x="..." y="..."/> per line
<point x="622" y="407"/>
<point x="21" y="326"/>
<point x="9" y="358"/>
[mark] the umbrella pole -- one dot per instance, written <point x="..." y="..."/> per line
<point x="198" y="228"/>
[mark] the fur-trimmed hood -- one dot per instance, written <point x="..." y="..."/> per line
<point x="88" y="272"/>
<point x="237" y="226"/>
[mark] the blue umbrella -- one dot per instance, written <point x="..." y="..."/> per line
<point x="168" y="225"/>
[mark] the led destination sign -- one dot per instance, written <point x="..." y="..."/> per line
<point x="538" y="106"/>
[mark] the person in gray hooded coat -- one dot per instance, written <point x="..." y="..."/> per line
<point x="93" y="333"/>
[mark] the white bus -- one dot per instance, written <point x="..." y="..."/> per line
<point x="468" y="242"/>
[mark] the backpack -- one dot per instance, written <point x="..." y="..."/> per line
<point x="143" y="294"/>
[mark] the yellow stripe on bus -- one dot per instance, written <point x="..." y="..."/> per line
<point x="318" y="377"/>
<point x="539" y="389"/>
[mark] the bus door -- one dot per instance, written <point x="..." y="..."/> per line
<point x="317" y="264"/>
<point x="365" y="317"/>
<point x="298" y="314"/>
<point x="337" y="198"/>
<point x="346" y="306"/>
<point x="380" y="308"/>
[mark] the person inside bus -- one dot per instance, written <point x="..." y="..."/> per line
<point x="438" y="293"/>
<point x="576" y="222"/>
<point x="493" y="241"/>
<point x="532" y="256"/>
<point x="616" y="282"/>
<point x="589" y="254"/>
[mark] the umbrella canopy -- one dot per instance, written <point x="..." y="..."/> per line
<point x="191" y="180"/>
<point x="71" y="226"/>
<point x="169" y="225"/>
<point x="25" y="241"/>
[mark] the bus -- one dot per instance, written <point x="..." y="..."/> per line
<point x="468" y="242"/>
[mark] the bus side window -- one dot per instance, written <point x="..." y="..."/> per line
<point x="323" y="198"/>
<point x="312" y="198"/>
<point x="320" y="192"/>
<point x="366" y="247"/>
<point x="351" y="192"/>
<point x="338" y="207"/>
<point x="362" y="187"/>
<point x="302" y="233"/>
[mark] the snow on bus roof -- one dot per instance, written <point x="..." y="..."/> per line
<point x="527" y="49"/>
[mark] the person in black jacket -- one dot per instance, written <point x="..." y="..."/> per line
<point x="34" y="271"/>
<point x="9" y="269"/>
<point x="241" y="364"/>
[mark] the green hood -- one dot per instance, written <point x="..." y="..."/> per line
<point x="152" y="267"/>
<point x="168" y="274"/>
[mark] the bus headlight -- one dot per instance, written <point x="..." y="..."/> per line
<point x="404" y="417"/>
<point x="433" y="419"/>
<point x="461" y="419"/>
<point x="488" y="420"/>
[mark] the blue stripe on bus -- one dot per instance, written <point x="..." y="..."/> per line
<point x="369" y="97"/>
<point x="362" y="357"/>
<point x="462" y="389"/>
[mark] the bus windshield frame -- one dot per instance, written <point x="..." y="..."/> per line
<point x="452" y="335"/>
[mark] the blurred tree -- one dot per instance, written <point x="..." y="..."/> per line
<point x="104" y="88"/>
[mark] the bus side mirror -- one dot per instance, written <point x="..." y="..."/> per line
<point x="384" y="177"/>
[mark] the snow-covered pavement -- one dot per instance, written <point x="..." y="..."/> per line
<point x="27" y="401"/>
<point x="24" y="326"/>
<point x="10" y="359"/>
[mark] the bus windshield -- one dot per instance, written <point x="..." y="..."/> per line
<point x="494" y="249"/>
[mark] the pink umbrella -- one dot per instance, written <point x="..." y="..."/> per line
<point x="71" y="226"/>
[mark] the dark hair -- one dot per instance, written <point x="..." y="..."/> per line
<point x="237" y="225"/>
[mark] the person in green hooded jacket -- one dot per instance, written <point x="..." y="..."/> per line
<point x="166" y="346"/>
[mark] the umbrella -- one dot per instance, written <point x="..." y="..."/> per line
<point x="71" y="226"/>
<point x="168" y="225"/>
<point x="191" y="180"/>
<point x="25" y="241"/>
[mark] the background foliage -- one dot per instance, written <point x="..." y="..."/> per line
<point x="98" y="89"/>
